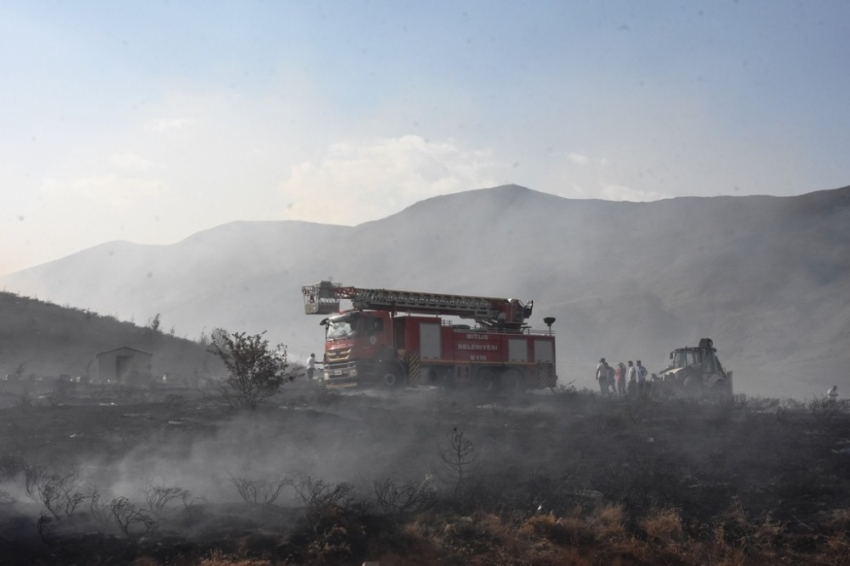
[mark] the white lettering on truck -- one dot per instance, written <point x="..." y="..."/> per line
<point x="489" y="347"/>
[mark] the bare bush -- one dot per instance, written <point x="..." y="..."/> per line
<point x="255" y="371"/>
<point x="324" y="500"/>
<point x="158" y="497"/>
<point x="823" y="413"/>
<point x="99" y="510"/>
<point x="32" y="476"/>
<point x="59" y="492"/>
<point x="407" y="497"/>
<point x="259" y="491"/>
<point x="334" y="530"/>
<point x="130" y="519"/>
<point x="458" y="455"/>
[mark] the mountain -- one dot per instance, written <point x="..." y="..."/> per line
<point x="766" y="277"/>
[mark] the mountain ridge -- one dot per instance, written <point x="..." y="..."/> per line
<point x="763" y="276"/>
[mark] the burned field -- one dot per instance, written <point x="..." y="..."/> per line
<point x="423" y="477"/>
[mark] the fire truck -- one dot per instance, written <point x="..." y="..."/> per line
<point x="404" y="338"/>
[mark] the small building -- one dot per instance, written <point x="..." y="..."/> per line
<point x="126" y="366"/>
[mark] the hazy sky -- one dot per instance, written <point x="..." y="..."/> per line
<point x="148" y="121"/>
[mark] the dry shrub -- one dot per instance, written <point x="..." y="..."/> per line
<point x="558" y="556"/>
<point x="481" y="534"/>
<point x="218" y="558"/>
<point x="131" y="519"/>
<point x="424" y="527"/>
<point x="333" y="545"/>
<point x="838" y="518"/>
<point x="259" y="491"/>
<point x="395" y="498"/>
<point x="608" y="522"/>
<point x="838" y="545"/>
<point x="569" y="530"/>
<point x="725" y="554"/>
<point x="733" y="557"/>
<point x="664" y="525"/>
<point x="631" y="549"/>
<point x="769" y="534"/>
<point x="390" y="558"/>
<point x="502" y="536"/>
<point x="417" y="543"/>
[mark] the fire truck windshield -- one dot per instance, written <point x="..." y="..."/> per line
<point x="341" y="327"/>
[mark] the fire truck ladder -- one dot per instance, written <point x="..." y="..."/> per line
<point x="324" y="297"/>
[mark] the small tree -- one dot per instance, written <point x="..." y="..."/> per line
<point x="458" y="454"/>
<point x="155" y="323"/>
<point x="255" y="371"/>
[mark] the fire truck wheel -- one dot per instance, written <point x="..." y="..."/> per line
<point x="392" y="375"/>
<point x="512" y="382"/>
<point x="486" y="379"/>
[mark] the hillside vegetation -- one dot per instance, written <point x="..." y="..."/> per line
<point x="39" y="339"/>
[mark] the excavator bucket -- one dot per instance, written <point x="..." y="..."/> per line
<point x="320" y="298"/>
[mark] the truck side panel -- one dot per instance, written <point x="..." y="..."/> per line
<point x="430" y="341"/>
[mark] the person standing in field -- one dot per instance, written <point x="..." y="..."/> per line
<point x="602" y="376"/>
<point x="631" y="376"/>
<point x="641" y="378"/>
<point x="621" y="379"/>
<point x="311" y="366"/>
<point x="832" y="394"/>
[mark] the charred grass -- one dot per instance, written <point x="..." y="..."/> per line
<point x="318" y="478"/>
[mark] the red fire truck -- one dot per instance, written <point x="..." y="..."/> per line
<point x="404" y="338"/>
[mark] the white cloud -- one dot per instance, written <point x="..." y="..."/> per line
<point x="130" y="161"/>
<point x="161" y="124"/>
<point x="578" y="159"/>
<point x="364" y="180"/>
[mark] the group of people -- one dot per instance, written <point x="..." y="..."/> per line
<point x="622" y="379"/>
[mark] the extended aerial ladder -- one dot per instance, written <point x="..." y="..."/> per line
<point x="506" y="314"/>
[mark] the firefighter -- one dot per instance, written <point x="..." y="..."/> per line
<point x="621" y="379"/>
<point x="311" y="365"/>
<point x="832" y="394"/>
<point x="641" y="378"/>
<point x="631" y="376"/>
<point x="602" y="376"/>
